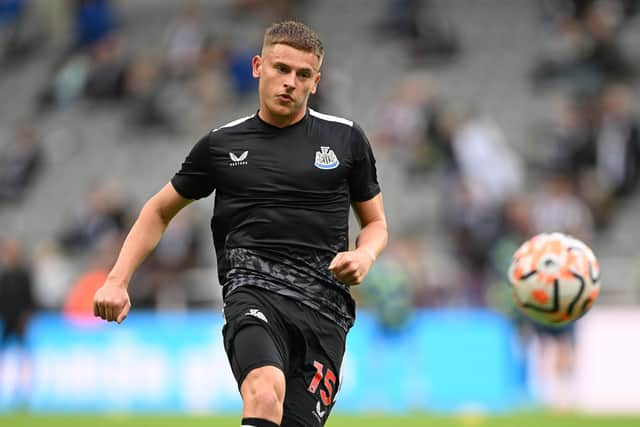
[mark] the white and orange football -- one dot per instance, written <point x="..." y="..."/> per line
<point x="555" y="278"/>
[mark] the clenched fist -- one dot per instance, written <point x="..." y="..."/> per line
<point x="111" y="302"/>
<point x="351" y="267"/>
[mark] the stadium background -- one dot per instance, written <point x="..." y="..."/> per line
<point x="480" y="113"/>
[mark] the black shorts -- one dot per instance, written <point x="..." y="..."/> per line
<point x="303" y="343"/>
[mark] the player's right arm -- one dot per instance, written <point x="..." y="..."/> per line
<point x="111" y="302"/>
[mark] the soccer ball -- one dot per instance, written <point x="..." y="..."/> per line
<point x="555" y="278"/>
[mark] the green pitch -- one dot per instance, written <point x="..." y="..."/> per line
<point x="338" y="420"/>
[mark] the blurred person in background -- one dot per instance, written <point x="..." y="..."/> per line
<point x="176" y="253"/>
<point x="148" y="103"/>
<point x="101" y="213"/>
<point x="428" y="34"/>
<point x="618" y="141"/>
<point x="490" y="170"/>
<point x="20" y="162"/>
<point x="185" y="38"/>
<point x="387" y="289"/>
<point x="608" y="162"/>
<point x="487" y="173"/>
<point x="107" y="76"/>
<point x="403" y="119"/>
<point x="210" y="89"/>
<point x="93" y="20"/>
<point x="78" y="304"/>
<point x="21" y="32"/>
<point x="558" y="207"/>
<point x="53" y="274"/>
<point x="555" y="207"/>
<point x="16" y="307"/>
<point x="284" y="179"/>
<point x="583" y="50"/>
<point x="11" y="12"/>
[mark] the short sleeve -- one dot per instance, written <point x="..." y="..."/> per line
<point x="363" y="179"/>
<point x="195" y="179"/>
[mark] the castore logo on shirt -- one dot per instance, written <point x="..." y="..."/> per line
<point x="238" y="160"/>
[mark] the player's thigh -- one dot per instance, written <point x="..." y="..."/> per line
<point x="314" y="379"/>
<point x="253" y="347"/>
<point x="252" y="335"/>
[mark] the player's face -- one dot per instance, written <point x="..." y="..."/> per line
<point x="287" y="76"/>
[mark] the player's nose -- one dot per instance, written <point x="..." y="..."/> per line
<point x="290" y="81"/>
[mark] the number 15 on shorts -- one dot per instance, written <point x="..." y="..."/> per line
<point x="329" y="383"/>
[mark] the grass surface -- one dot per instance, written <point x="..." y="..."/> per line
<point x="518" y="420"/>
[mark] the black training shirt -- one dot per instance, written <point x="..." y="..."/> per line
<point x="282" y="203"/>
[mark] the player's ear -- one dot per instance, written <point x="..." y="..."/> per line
<point x="315" y="84"/>
<point x="256" y="65"/>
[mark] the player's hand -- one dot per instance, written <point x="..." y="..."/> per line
<point x="351" y="267"/>
<point x="111" y="302"/>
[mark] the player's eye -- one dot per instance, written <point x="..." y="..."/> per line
<point x="281" y="68"/>
<point x="304" y="75"/>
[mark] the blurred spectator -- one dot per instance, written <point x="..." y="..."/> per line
<point x="52" y="276"/>
<point x="16" y="293"/>
<point x="549" y="350"/>
<point x="162" y="273"/>
<point x="93" y="65"/>
<point x="618" y="141"/>
<point x="145" y="92"/>
<point x="552" y="357"/>
<point x="66" y="83"/>
<point x="184" y="39"/>
<point x="516" y="227"/>
<point x="609" y="162"/>
<point x="93" y="21"/>
<point x="101" y="213"/>
<point x="79" y="301"/>
<point x="585" y="52"/>
<point x="106" y="80"/>
<point x="12" y="15"/>
<point x="56" y="21"/>
<point x="605" y="55"/>
<point x="20" y="31"/>
<point x="429" y="34"/>
<point x="240" y="71"/>
<point x="387" y="288"/>
<point x="435" y="152"/>
<point x="335" y="91"/>
<point x="486" y="176"/>
<point x="557" y="207"/>
<point x="20" y="163"/>
<point x="474" y="228"/>
<point x="210" y="84"/>
<point x="403" y="119"/>
<point x="10" y="11"/>
<point x="16" y="307"/>
<point x="490" y="170"/>
<point x="569" y="131"/>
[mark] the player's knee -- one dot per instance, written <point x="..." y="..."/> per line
<point x="263" y="401"/>
<point x="263" y="391"/>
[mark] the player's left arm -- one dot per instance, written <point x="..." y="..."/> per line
<point x="351" y="267"/>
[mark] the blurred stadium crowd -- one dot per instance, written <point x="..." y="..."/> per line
<point x="491" y="121"/>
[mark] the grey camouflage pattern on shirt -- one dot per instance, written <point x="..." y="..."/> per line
<point x="303" y="278"/>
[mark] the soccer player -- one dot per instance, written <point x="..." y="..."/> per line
<point x="284" y="179"/>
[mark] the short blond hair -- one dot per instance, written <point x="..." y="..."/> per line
<point x="294" y="34"/>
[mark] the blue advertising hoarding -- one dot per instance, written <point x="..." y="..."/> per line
<point x="444" y="360"/>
